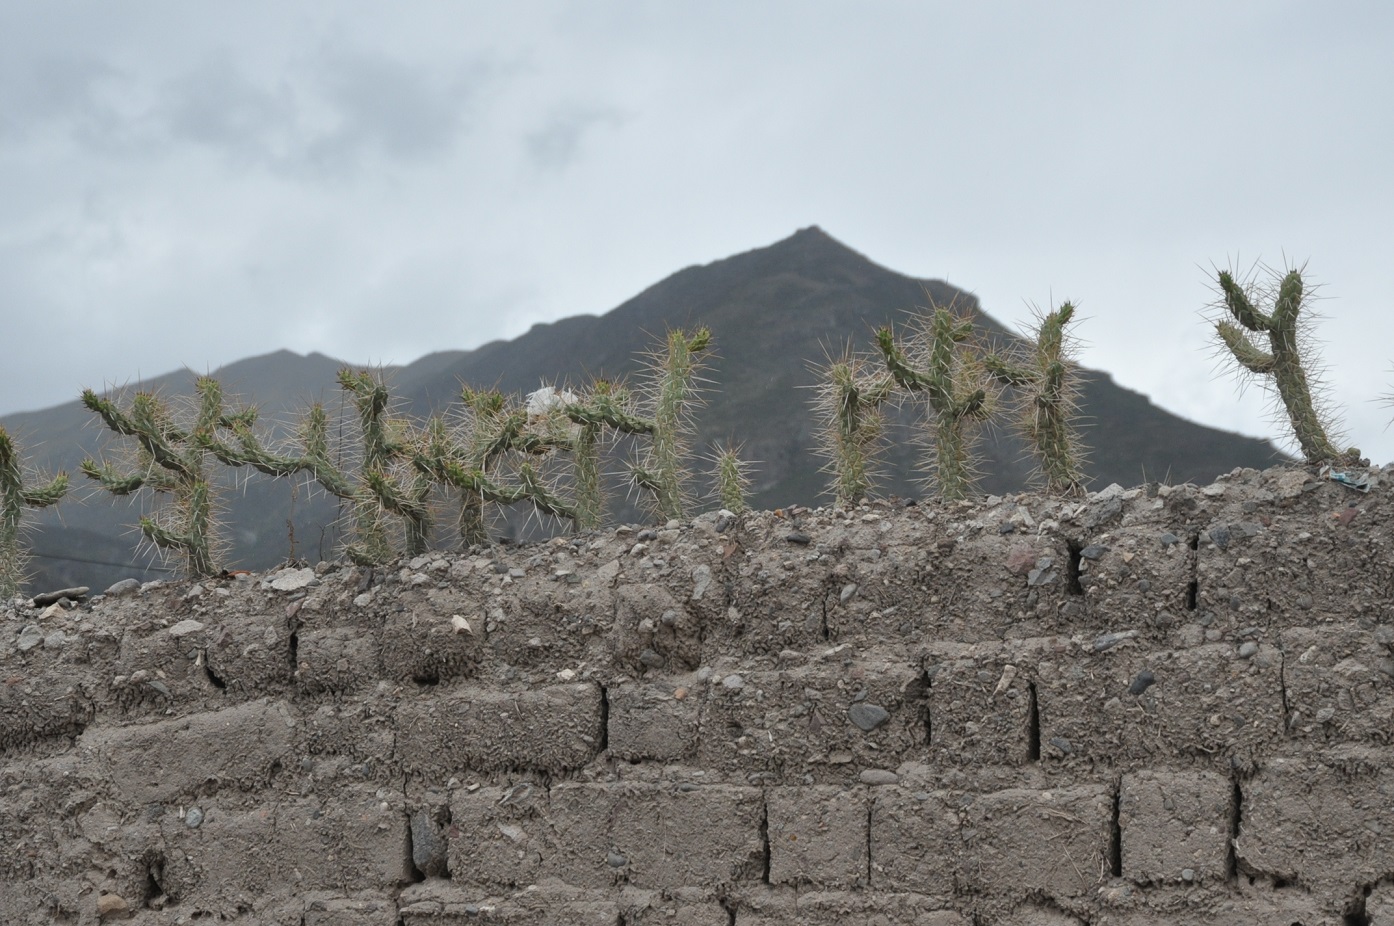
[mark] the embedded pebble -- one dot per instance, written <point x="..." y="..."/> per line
<point x="184" y="628"/>
<point x="124" y="587"/>
<point x="867" y="717"/>
<point x="878" y="776"/>
<point x="799" y="537"/>
<point x="1110" y="640"/>
<point x="1248" y="650"/>
<point x="701" y="581"/>
<point x="193" y="819"/>
<point x="30" y="637"/>
<point x="615" y="859"/>
<point x="1145" y="680"/>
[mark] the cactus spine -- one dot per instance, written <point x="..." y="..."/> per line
<point x="956" y="390"/>
<point x="172" y="460"/>
<point x="848" y="402"/>
<point x="14" y="498"/>
<point x="1046" y="382"/>
<point x="1283" y="361"/>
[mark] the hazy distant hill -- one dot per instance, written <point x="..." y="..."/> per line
<point x="774" y="312"/>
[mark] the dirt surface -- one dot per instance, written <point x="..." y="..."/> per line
<point x="1167" y="704"/>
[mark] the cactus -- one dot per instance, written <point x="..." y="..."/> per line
<point x="492" y="430"/>
<point x="14" y="498"/>
<point x="731" y="478"/>
<point x="956" y="389"/>
<point x="1049" y="399"/>
<point x="848" y="402"/>
<point x="671" y="392"/>
<point x="173" y="460"/>
<point x="1284" y="361"/>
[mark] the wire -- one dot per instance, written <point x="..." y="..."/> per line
<point x="100" y="562"/>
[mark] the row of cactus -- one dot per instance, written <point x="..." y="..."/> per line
<point x="494" y="451"/>
<point x="547" y="452"/>
<point x="962" y="387"/>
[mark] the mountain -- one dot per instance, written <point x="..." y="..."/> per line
<point x="775" y="312"/>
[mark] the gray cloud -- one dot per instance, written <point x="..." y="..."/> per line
<point x="557" y="144"/>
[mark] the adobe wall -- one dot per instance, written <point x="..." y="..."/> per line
<point x="1165" y="705"/>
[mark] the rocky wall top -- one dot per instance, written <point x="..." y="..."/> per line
<point x="1095" y="709"/>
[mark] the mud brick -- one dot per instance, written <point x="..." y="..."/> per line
<point x="781" y="725"/>
<point x="1140" y="573"/>
<point x="981" y="700"/>
<point x="356" y="838"/>
<point x="418" y="643"/>
<point x="551" y="729"/>
<point x="238" y="747"/>
<point x="1022" y="841"/>
<point x="441" y="903"/>
<point x="162" y="668"/>
<point x="498" y="836"/>
<point x="248" y="653"/>
<point x="655" y="628"/>
<point x="324" y="909"/>
<point x="237" y="855"/>
<point x="335" y="659"/>
<point x="818" y="835"/>
<point x="356" y="731"/>
<point x="654" y="720"/>
<point x="1126" y="704"/>
<point x="1320" y="820"/>
<point x="835" y="908"/>
<point x="1339" y="681"/>
<point x="916" y="842"/>
<point x="43" y="707"/>
<point x="1316" y="561"/>
<point x="1172" y="821"/>
<point x="1258" y="905"/>
<point x="229" y="861"/>
<point x="656" y="836"/>
<point x="557" y="617"/>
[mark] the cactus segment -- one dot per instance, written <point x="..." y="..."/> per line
<point x="14" y="498"/>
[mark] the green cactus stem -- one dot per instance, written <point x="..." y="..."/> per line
<point x="731" y="478"/>
<point x="1049" y="395"/>
<point x="14" y="498"/>
<point x="171" y="460"/>
<point x="1284" y="360"/>
<point x="671" y="392"/>
<point x="956" y="390"/>
<point x="852" y="425"/>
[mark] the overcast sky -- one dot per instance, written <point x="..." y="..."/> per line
<point x="189" y="184"/>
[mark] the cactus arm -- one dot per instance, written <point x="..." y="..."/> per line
<point x="1250" y="357"/>
<point x="49" y="494"/>
<point x="1237" y="301"/>
<point x="1006" y="372"/>
<point x="109" y="479"/>
<point x="896" y="364"/>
